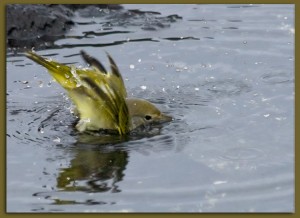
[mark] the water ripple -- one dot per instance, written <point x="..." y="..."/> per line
<point x="277" y="78"/>
<point x="240" y="153"/>
<point x="227" y="88"/>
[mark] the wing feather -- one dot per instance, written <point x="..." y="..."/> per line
<point x="98" y="95"/>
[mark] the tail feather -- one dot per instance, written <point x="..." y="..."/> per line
<point x="61" y="73"/>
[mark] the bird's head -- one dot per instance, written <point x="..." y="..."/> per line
<point x="143" y="112"/>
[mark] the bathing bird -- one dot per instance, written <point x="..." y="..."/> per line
<point x="100" y="96"/>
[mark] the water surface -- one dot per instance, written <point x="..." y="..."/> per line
<point x="224" y="72"/>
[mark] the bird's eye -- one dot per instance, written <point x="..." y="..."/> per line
<point x="148" y="117"/>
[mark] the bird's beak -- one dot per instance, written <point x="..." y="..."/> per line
<point x="165" y="118"/>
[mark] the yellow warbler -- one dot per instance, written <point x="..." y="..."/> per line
<point x="100" y="96"/>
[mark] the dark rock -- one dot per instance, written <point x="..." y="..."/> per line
<point x="39" y="25"/>
<point x="36" y="25"/>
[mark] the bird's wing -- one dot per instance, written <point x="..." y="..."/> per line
<point x="98" y="95"/>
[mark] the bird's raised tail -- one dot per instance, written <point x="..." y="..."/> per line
<point x="61" y="73"/>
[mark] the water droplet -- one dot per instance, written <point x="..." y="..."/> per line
<point x="264" y="99"/>
<point x="57" y="140"/>
<point x="219" y="182"/>
<point x="41" y="84"/>
<point x="218" y="110"/>
<point x="75" y="75"/>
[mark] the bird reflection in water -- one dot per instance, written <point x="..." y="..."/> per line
<point x="94" y="170"/>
